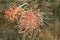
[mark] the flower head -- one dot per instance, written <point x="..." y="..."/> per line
<point x="32" y="20"/>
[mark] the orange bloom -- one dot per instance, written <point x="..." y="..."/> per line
<point x="10" y="13"/>
<point x="13" y="12"/>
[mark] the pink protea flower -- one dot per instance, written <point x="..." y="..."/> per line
<point x="31" y="20"/>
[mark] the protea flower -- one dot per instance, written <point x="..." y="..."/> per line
<point x="32" y="20"/>
<point x="14" y="12"/>
<point x="10" y="13"/>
